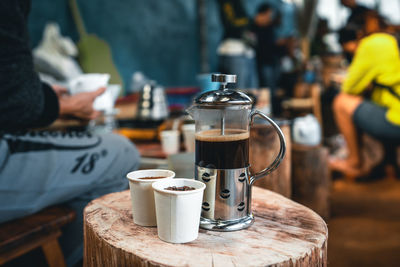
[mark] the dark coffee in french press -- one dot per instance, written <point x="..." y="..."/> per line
<point x="228" y="151"/>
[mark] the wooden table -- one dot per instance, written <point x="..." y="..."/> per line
<point x="285" y="233"/>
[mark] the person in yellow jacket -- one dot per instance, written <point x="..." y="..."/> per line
<point x="370" y="96"/>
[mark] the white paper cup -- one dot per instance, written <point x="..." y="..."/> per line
<point x="178" y="212"/>
<point x="142" y="195"/>
<point x="170" y="142"/>
<point x="90" y="82"/>
<point x="188" y="136"/>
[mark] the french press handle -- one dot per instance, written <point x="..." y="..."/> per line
<point x="282" y="148"/>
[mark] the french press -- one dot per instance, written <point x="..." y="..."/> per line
<point x="223" y="118"/>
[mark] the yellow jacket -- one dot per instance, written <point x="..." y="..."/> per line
<point x="377" y="59"/>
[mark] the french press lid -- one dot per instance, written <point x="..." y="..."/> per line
<point x="223" y="96"/>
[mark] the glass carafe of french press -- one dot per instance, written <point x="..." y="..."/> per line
<point x="223" y="118"/>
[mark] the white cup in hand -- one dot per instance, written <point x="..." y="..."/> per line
<point x="91" y="82"/>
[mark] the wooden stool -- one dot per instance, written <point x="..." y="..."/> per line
<point x="284" y="233"/>
<point x="264" y="146"/>
<point x="41" y="229"/>
<point x="376" y="155"/>
<point x="311" y="102"/>
<point x="311" y="178"/>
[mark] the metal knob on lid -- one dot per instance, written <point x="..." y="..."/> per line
<point x="223" y="96"/>
<point x="223" y="78"/>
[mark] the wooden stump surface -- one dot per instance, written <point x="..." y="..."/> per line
<point x="264" y="146"/>
<point x="285" y="233"/>
<point x="311" y="178"/>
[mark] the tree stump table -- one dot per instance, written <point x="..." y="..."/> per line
<point x="285" y="233"/>
<point x="264" y="147"/>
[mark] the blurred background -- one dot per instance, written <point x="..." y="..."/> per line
<point x="290" y="56"/>
<point x="149" y="35"/>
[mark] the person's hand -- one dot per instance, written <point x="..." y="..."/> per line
<point x="80" y="105"/>
<point x="59" y="90"/>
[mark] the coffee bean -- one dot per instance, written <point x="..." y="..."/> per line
<point x="181" y="188"/>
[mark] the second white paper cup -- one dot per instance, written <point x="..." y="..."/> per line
<point x="178" y="212"/>
<point x="142" y="196"/>
<point x="170" y="141"/>
<point x="188" y="136"/>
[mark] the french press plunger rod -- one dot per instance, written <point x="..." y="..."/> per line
<point x="223" y="80"/>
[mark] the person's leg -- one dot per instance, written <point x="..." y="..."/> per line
<point x="235" y="65"/>
<point x="267" y="74"/>
<point x="252" y="73"/>
<point x="127" y="160"/>
<point x="276" y="74"/>
<point x="344" y="107"/>
<point x="39" y="169"/>
<point x="270" y="81"/>
<point x="370" y="118"/>
<point x="271" y="74"/>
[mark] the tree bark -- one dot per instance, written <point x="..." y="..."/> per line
<point x="284" y="234"/>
